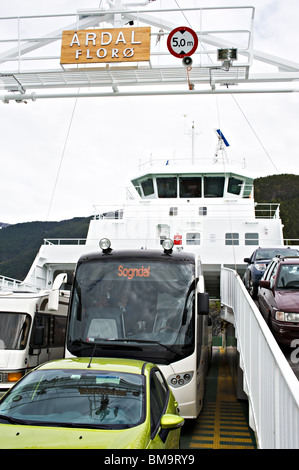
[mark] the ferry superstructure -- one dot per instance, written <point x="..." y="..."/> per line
<point x="207" y="207"/>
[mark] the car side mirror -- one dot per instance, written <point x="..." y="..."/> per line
<point x="265" y="284"/>
<point x="170" y="421"/>
<point x="247" y="260"/>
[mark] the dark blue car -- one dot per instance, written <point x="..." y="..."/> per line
<point x="257" y="264"/>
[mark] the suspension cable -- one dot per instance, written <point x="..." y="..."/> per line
<point x="62" y="157"/>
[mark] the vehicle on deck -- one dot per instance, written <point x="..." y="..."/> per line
<point x="149" y="305"/>
<point x="32" y="330"/>
<point x="278" y="298"/>
<point x="257" y="264"/>
<point x="91" y="403"/>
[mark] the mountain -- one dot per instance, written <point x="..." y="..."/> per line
<point x="20" y="243"/>
<point x="282" y="189"/>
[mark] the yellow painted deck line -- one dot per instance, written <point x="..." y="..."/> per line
<point x="222" y="423"/>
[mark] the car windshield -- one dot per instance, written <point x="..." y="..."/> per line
<point x="272" y="252"/>
<point x="288" y="277"/>
<point x="14" y="329"/>
<point x="76" y="398"/>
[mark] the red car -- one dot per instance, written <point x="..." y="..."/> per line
<point x="278" y="298"/>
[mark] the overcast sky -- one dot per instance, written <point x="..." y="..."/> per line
<point x="88" y="150"/>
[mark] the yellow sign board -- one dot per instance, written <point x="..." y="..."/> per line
<point x="105" y="45"/>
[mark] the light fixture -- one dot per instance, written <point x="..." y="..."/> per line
<point x="227" y="56"/>
<point x="167" y="245"/>
<point x="105" y="245"/>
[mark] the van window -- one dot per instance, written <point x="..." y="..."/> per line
<point x="14" y="329"/>
<point x="57" y="331"/>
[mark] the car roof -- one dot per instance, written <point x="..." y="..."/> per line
<point x="283" y="251"/>
<point x="277" y="248"/>
<point x="132" y="366"/>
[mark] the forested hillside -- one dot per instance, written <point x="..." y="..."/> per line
<point x="283" y="189"/>
<point x="20" y="243"/>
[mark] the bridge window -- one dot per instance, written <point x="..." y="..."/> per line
<point x="213" y="186"/>
<point x="251" y="238"/>
<point x="173" y="211"/>
<point x="148" y="187"/>
<point x="193" y="238"/>
<point x="167" y="186"/>
<point x="190" y="186"/>
<point x="234" y="185"/>
<point x="232" y="239"/>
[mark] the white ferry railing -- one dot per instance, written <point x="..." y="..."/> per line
<point x="8" y="284"/>
<point x="64" y="241"/>
<point x="259" y="211"/>
<point x="268" y="380"/>
<point x="267" y="210"/>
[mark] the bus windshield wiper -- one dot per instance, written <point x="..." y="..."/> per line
<point x="146" y="341"/>
<point x="125" y="341"/>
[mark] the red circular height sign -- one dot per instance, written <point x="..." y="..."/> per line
<point x="182" y="42"/>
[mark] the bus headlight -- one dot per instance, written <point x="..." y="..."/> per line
<point x="178" y="380"/>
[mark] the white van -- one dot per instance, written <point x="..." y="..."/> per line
<point x="32" y="331"/>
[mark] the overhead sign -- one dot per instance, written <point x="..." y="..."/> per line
<point x="182" y="42"/>
<point x="105" y="45"/>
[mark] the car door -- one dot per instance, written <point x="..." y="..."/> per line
<point x="159" y="398"/>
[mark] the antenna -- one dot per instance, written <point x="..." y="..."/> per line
<point x="91" y="357"/>
<point x="222" y="143"/>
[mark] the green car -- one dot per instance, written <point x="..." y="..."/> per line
<point x="90" y="404"/>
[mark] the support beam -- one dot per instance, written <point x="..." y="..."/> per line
<point x="33" y="96"/>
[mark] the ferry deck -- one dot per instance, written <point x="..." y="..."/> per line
<point x="223" y="422"/>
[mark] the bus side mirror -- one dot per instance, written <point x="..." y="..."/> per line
<point x="203" y="303"/>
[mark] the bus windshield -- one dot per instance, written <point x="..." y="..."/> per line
<point x="141" y="306"/>
<point x="14" y="329"/>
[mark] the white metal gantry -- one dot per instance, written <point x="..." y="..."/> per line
<point x="30" y="65"/>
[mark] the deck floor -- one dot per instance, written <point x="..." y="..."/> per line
<point x="223" y="422"/>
